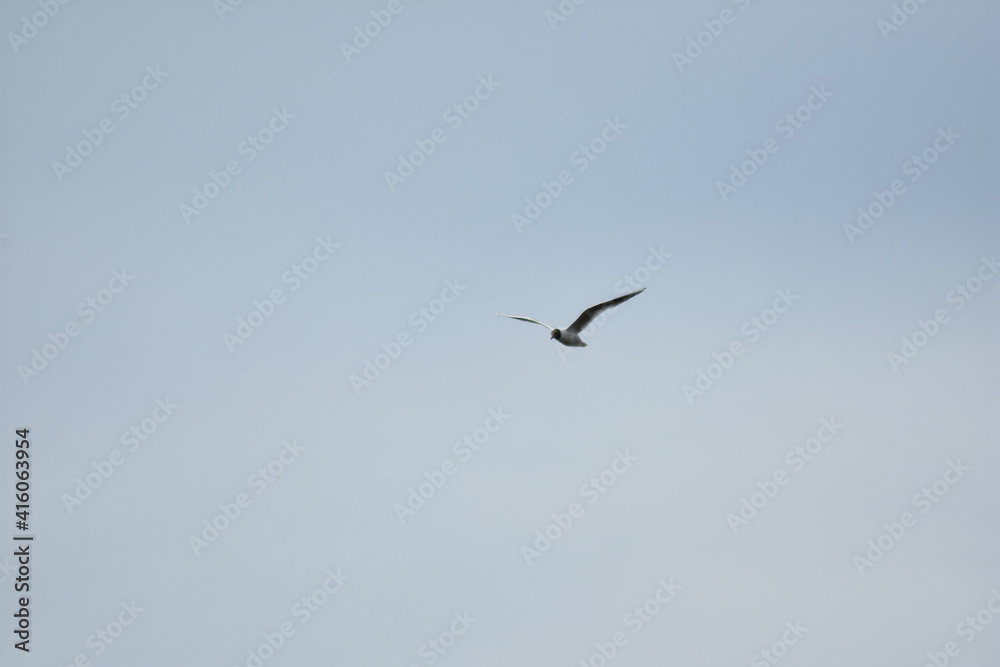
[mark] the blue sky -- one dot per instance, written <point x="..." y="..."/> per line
<point x="279" y="129"/>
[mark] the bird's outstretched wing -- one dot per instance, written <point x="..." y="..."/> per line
<point x="524" y="319"/>
<point x="587" y="316"/>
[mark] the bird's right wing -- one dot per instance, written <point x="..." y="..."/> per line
<point x="587" y="316"/>
<point x="524" y="319"/>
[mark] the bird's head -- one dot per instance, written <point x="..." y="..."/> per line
<point x="555" y="334"/>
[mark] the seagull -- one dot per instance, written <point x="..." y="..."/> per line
<point x="570" y="336"/>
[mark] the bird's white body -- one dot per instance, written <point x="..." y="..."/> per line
<point x="570" y="336"/>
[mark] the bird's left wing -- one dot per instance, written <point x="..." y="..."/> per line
<point x="587" y="316"/>
<point x="524" y="319"/>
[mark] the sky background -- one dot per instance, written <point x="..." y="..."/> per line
<point x="363" y="447"/>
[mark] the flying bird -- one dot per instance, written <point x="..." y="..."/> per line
<point x="570" y="336"/>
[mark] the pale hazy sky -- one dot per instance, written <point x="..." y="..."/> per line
<point x="250" y="263"/>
